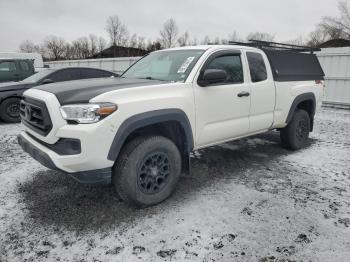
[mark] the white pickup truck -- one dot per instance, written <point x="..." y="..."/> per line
<point x="137" y="131"/>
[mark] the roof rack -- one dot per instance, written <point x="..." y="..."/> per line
<point x="274" y="45"/>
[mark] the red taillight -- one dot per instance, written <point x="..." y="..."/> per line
<point x="318" y="82"/>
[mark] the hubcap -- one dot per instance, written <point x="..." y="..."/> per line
<point x="154" y="173"/>
<point x="13" y="110"/>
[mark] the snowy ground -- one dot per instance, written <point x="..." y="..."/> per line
<point x="248" y="200"/>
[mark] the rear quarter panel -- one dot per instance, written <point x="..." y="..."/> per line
<point x="286" y="92"/>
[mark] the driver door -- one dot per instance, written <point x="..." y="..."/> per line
<point x="222" y="109"/>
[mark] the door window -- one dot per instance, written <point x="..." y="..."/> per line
<point x="7" y="66"/>
<point x="24" y="66"/>
<point x="257" y="67"/>
<point x="65" y="75"/>
<point x="93" y="73"/>
<point x="232" y="64"/>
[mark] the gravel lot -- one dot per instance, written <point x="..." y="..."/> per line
<point x="247" y="200"/>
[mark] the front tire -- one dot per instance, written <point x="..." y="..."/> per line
<point x="295" y="135"/>
<point x="147" y="171"/>
<point x="9" y="110"/>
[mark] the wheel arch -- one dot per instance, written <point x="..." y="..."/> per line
<point x="307" y="102"/>
<point x="161" y="121"/>
<point x="2" y="99"/>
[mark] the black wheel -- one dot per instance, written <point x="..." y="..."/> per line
<point x="147" y="171"/>
<point x="9" y="110"/>
<point x="295" y="135"/>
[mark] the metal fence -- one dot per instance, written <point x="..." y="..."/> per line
<point x="336" y="65"/>
<point x="117" y="65"/>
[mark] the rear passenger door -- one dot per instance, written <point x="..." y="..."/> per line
<point x="262" y="92"/>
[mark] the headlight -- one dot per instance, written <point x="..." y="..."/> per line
<point x="87" y="113"/>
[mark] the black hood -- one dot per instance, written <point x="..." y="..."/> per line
<point x="82" y="91"/>
<point x="12" y="86"/>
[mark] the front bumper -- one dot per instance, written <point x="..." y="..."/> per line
<point x="36" y="153"/>
<point x="48" y="158"/>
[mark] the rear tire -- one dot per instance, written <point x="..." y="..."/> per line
<point x="147" y="171"/>
<point x="9" y="110"/>
<point x="295" y="135"/>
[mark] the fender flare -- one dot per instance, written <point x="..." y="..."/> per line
<point x="149" y="118"/>
<point x="3" y="98"/>
<point x="297" y="101"/>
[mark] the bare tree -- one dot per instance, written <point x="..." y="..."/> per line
<point x="206" y="40"/>
<point x="338" y="27"/>
<point x="297" y="41"/>
<point x="28" y="46"/>
<point x="169" y="33"/>
<point x="316" y="38"/>
<point x="55" y="47"/>
<point x="84" y="46"/>
<point x="141" y="44"/>
<point x="234" y="37"/>
<point x="69" y="52"/>
<point x="133" y="41"/>
<point x="93" y="44"/>
<point x="76" y="50"/>
<point x="217" y="41"/>
<point x="101" y="44"/>
<point x="184" y="39"/>
<point x="261" y="36"/>
<point x="153" y="46"/>
<point x="118" y="32"/>
<point x="81" y="48"/>
<point x="194" y="41"/>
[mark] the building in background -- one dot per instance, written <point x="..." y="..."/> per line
<point x="120" y="51"/>
<point x="335" y="43"/>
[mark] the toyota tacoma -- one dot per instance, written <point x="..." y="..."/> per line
<point x="137" y="131"/>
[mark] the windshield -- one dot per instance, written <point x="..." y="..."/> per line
<point x="172" y="65"/>
<point x="37" y="76"/>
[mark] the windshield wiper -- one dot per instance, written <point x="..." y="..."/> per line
<point x="151" y="78"/>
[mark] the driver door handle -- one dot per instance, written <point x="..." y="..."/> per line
<point x="242" y="94"/>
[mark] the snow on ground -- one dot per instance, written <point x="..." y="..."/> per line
<point x="248" y="200"/>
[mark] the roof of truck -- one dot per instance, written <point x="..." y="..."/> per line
<point x="287" y="64"/>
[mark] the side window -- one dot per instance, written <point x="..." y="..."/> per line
<point x="105" y="73"/>
<point x="257" y="67"/>
<point x="231" y="64"/>
<point x="65" y="75"/>
<point x="24" y="66"/>
<point x="93" y="73"/>
<point x="7" y="66"/>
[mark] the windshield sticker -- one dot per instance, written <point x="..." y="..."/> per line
<point x="185" y="65"/>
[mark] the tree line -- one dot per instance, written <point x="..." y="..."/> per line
<point x="56" y="48"/>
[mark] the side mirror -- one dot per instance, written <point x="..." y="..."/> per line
<point x="212" y="76"/>
<point x="46" y="81"/>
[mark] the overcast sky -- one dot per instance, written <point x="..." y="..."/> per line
<point x="35" y="19"/>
